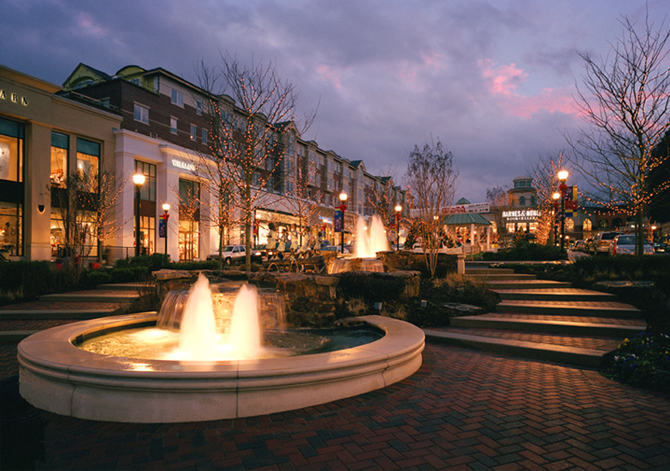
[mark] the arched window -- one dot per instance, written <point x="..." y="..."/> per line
<point x="588" y="225"/>
<point x="532" y="201"/>
<point x="617" y="222"/>
<point x="603" y="223"/>
<point x="569" y="224"/>
<point x="522" y="201"/>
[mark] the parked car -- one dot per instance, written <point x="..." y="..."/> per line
<point x="602" y="242"/>
<point x="579" y="246"/>
<point x="235" y="254"/>
<point x="624" y="244"/>
<point x="660" y="247"/>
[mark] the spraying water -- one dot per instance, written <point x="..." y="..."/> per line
<point x="372" y="240"/>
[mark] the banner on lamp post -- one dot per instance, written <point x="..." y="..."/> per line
<point x="337" y="221"/>
<point x="162" y="228"/>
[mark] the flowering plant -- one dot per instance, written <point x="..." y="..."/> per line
<point x="642" y="361"/>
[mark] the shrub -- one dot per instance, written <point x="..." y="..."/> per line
<point x="526" y="251"/>
<point x="153" y="262"/>
<point x="31" y="279"/>
<point x="643" y="361"/>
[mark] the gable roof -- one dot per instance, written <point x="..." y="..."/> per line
<point x="466" y="219"/>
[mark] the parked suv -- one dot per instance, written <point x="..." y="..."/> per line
<point x="602" y="242"/>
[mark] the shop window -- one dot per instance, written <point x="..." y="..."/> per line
<point x="11" y="226"/>
<point x="189" y="220"/>
<point x="569" y="225"/>
<point x="11" y="150"/>
<point x="148" y="190"/>
<point x="59" y="151"/>
<point x="88" y="164"/>
<point x="587" y="225"/>
<point x="147" y="235"/>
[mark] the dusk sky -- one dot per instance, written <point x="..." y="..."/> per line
<point x="493" y="80"/>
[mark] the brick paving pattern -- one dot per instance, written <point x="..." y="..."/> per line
<point x="463" y="410"/>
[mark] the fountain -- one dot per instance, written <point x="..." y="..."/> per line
<point x="369" y="241"/>
<point x="207" y="372"/>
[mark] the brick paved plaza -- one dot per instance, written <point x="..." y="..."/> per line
<point x="464" y="409"/>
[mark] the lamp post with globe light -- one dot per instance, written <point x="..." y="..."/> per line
<point x="138" y="180"/>
<point x="398" y="211"/>
<point x="166" y="216"/>
<point x="343" y="207"/>
<point x="562" y="177"/>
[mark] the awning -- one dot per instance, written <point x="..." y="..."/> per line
<point x="466" y="219"/>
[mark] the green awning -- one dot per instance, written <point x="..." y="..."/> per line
<point x="466" y="219"/>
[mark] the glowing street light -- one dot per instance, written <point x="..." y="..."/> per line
<point x="398" y="211"/>
<point x="562" y="177"/>
<point x="138" y="180"/>
<point x="166" y="216"/>
<point x="343" y="208"/>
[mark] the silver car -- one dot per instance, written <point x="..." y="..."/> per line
<point x="624" y="244"/>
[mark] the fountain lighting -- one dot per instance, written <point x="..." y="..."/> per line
<point x="195" y="383"/>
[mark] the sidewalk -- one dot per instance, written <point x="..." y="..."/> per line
<point x="463" y="409"/>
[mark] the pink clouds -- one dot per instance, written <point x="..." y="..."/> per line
<point x="410" y="70"/>
<point x="503" y="81"/>
<point x="329" y="75"/>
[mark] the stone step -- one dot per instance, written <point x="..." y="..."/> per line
<point x="585" y="308"/>
<point x="586" y="357"/>
<point x="557" y="294"/>
<point x="89" y="312"/>
<point x="486" y="271"/>
<point x="501" y="276"/>
<point x="527" y="284"/>
<point x="552" y="324"/>
<point x="139" y="286"/>
<point x="126" y="296"/>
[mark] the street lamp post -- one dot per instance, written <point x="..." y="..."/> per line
<point x="138" y="180"/>
<point x="166" y="216"/>
<point x="343" y="208"/>
<point x="398" y="210"/>
<point x="562" y="177"/>
<point x="556" y="196"/>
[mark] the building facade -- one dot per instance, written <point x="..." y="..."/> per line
<point x="153" y="122"/>
<point x="43" y="138"/>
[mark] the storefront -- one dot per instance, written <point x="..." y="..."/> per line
<point x="45" y="140"/>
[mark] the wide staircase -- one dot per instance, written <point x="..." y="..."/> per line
<point x="18" y="321"/>
<point x="545" y="320"/>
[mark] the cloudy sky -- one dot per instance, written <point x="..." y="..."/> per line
<point x="494" y="80"/>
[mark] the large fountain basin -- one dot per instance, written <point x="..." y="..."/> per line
<point x="58" y="377"/>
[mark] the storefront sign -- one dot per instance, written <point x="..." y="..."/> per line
<point x="184" y="165"/>
<point x="522" y="215"/>
<point x="468" y="208"/>
<point x="13" y="97"/>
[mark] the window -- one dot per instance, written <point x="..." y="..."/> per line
<point x="204" y="136"/>
<point x="88" y="164"/>
<point x="569" y="225"/>
<point x="173" y="125"/>
<point x="522" y="201"/>
<point x="59" y="148"/>
<point x="189" y="219"/>
<point x="148" y="190"/>
<point x="198" y="106"/>
<point x="587" y="225"/>
<point x="141" y="113"/>
<point x="11" y="150"/>
<point x="11" y="222"/>
<point x="194" y="132"/>
<point x="177" y="98"/>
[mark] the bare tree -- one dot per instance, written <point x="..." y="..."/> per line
<point x="87" y="208"/>
<point x="626" y="105"/>
<point x="545" y="180"/>
<point x="499" y="200"/>
<point x="382" y="199"/>
<point x="431" y="182"/>
<point x="249" y="136"/>
<point x="301" y="199"/>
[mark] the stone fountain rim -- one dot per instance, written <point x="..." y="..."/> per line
<point x="61" y="378"/>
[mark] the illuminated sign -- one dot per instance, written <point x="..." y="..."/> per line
<point x="13" y="97"/>
<point x="468" y="208"/>
<point x="184" y="165"/>
<point x="522" y="215"/>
